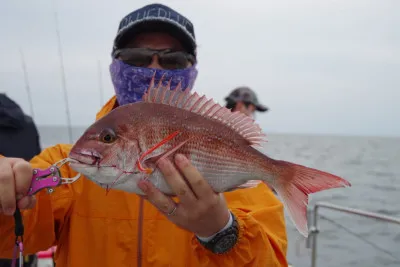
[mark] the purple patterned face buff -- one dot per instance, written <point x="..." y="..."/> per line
<point x="130" y="83"/>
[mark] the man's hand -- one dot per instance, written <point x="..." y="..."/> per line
<point x="200" y="210"/>
<point x="15" y="179"/>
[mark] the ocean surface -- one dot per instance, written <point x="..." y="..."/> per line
<point x="371" y="164"/>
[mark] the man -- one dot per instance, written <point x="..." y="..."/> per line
<point x="90" y="228"/>
<point x="19" y="138"/>
<point x="244" y="99"/>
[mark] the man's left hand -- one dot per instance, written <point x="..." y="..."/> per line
<point x="200" y="210"/>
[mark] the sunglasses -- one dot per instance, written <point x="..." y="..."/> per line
<point x="167" y="58"/>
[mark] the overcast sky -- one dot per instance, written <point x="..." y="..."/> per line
<point x="321" y="66"/>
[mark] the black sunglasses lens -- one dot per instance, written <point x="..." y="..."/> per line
<point x="138" y="62"/>
<point x="174" y="60"/>
<point x="136" y="57"/>
<point x="142" y="57"/>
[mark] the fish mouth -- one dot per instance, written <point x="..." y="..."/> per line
<point x="86" y="157"/>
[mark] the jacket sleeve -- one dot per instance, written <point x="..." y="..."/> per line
<point x="42" y="223"/>
<point x="262" y="235"/>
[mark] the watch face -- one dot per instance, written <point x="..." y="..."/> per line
<point x="225" y="243"/>
<point x="225" y="240"/>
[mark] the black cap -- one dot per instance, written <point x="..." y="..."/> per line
<point x="246" y="95"/>
<point x="160" y="18"/>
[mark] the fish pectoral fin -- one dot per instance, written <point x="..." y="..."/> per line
<point x="146" y="153"/>
<point x="164" y="155"/>
<point x="158" y="157"/>
<point x="170" y="152"/>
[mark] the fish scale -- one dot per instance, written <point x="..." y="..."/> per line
<point x="220" y="143"/>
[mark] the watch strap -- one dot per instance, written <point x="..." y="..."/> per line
<point x="225" y="240"/>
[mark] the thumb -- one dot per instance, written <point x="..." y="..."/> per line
<point x="23" y="177"/>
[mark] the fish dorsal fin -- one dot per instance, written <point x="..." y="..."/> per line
<point x="184" y="99"/>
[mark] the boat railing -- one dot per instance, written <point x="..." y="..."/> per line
<point x="313" y="229"/>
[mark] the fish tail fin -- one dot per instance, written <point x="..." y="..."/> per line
<point x="295" y="183"/>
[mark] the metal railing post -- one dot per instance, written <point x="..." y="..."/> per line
<point x="313" y="231"/>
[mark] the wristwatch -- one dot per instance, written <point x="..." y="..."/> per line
<point x="224" y="240"/>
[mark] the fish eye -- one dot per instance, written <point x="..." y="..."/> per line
<point x="107" y="136"/>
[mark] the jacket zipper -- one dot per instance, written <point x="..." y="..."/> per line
<point x="140" y="229"/>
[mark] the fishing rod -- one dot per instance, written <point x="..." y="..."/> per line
<point x="100" y="84"/>
<point x="27" y="86"/>
<point x="63" y="81"/>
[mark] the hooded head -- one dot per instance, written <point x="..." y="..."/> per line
<point x="11" y="114"/>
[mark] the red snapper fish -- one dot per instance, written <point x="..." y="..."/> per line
<point x="125" y="145"/>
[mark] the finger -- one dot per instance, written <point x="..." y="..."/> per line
<point x="23" y="176"/>
<point x="27" y="202"/>
<point x="199" y="185"/>
<point x="156" y="197"/>
<point x="7" y="187"/>
<point x="176" y="182"/>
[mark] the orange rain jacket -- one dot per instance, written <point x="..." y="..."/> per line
<point x="120" y="229"/>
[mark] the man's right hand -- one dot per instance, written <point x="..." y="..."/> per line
<point x="15" y="179"/>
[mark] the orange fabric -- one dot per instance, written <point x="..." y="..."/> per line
<point x="92" y="229"/>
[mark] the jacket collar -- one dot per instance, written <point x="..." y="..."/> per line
<point x="110" y="105"/>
